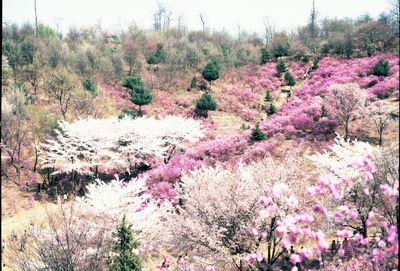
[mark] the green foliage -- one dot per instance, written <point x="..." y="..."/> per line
<point x="45" y="31"/>
<point x="90" y="86"/>
<point x="271" y="109"/>
<point x="268" y="97"/>
<point x="158" y="56"/>
<point x="140" y="94"/>
<point x="315" y="64"/>
<point x="124" y="258"/>
<point x="289" y="79"/>
<point x="211" y="71"/>
<point x="193" y="83"/>
<point x="265" y="56"/>
<point x="281" y="67"/>
<point x="132" y="81"/>
<point x="257" y="134"/>
<point x="281" y="50"/>
<point x="126" y="112"/>
<point x="381" y="68"/>
<point x="206" y="102"/>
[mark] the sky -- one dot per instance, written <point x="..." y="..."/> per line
<point x="219" y="14"/>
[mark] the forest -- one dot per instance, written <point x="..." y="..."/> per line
<point x="177" y="149"/>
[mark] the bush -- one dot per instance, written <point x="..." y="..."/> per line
<point x="129" y="113"/>
<point x="281" y="50"/>
<point x="132" y="81"/>
<point x="257" y="134"/>
<point x="381" y="68"/>
<point x="211" y="71"/>
<point x="315" y="64"/>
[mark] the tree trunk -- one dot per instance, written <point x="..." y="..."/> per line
<point x="380" y="136"/>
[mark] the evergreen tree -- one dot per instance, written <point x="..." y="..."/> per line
<point x="315" y="64"/>
<point x="193" y="83"/>
<point x="268" y="97"/>
<point x="281" y="50"/>
<point x="211" y="71"/>
<point x="281" y="67"/>
<point x="89" y="86"/>
<point x="158" y="56"/>
<point x="289" y="79"/>
<point x="271" y="109"/>
<point x="205" y="103"/>
<point x="140" y="95"/>
<point x="265" y="56"/>
<point x="257" y="134"/>
<point x="381" y="68"/>
<point x="124" y="258"/>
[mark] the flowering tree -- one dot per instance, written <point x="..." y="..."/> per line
<point x="220" y="205"/>
<point x="343" y="103"/>
<point x="117" y="198"/>
<point x="88" y="145"/>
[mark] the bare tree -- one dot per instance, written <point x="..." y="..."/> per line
<point x="313" y="22"/>
<point x="36" y="23"/>
<point x="270" y="31"/>
<point x="161" y="17"/>
<point x="203" y="22"/>
<point x="66" y="240"/>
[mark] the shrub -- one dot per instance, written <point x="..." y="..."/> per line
<point x="211" y="71"/>
<point x="129" y="113"/>
<point x="140" y="95"/>
<point x="381" y="68"/>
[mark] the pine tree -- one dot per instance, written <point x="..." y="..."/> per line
<point x="124" y="258"/>
<point x="289" y="79"/>
<point x="265" y="56"/>
<point x="381" y="68"/>
<point x="315" y="64"/>
<point x="211" y="71"/>
<point x="193" y="83"/>
<point x="281" y="67"/>
<point x="140" y="95"/>
<point x="268" y="97"/>
<point x="205" y="103"/>
<point x="257" y="134"/>
<point x="271" y="110"/>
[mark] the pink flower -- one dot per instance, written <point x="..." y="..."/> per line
<point x="251" y="258"/>
<point x="344" y="234"/>
<point x="210" y="268"/>
<point x="341" y="252"/>
<point x="181" y="261"/>
<point x="254" y="231"/>
<point x="368" y="176"/>
<point x="264" y="200"/>
<point x="295" y="258"/>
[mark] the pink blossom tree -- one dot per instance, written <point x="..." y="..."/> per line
<point x="343" y="103"/>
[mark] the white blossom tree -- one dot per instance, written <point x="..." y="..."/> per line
<point x="86" y="145"/>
